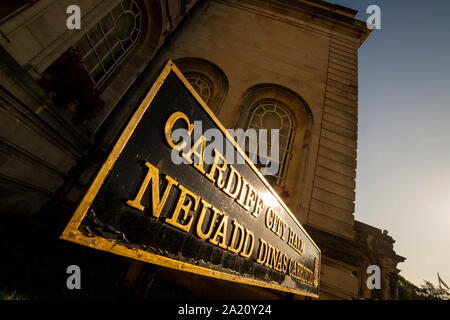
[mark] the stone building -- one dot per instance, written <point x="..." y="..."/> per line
<point x="295" y="59"/>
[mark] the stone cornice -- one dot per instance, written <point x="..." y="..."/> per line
<point x="312" y="12"/>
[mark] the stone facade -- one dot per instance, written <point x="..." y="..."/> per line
<point x="378" y="249"/>
<point x="302" y="54"/>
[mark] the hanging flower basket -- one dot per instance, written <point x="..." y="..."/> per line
<point x="284" y="190"/>
<point x="70" y="85"/>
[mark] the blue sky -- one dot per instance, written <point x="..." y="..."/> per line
<point x="403" y="175"/>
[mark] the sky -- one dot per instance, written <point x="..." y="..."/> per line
<point x="403" y="174"/>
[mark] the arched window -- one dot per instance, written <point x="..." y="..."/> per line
<point x="207" y="79"/>
<point x="202" y="84"/>
<point x="273" y="114"/>
<point x="107" y="43"/>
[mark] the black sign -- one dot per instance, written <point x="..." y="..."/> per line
<point x="216" y="217"/>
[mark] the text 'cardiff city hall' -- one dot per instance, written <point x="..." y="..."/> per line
<point x="184" y="149"/>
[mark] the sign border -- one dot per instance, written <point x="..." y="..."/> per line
<point x="72" y="234"/>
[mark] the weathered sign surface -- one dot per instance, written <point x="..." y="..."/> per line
<point x="217" y="219"/>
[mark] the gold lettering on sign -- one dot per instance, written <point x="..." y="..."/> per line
<point x="223" y="175"/>
<point x="238" y="229"/>
<point x="200" y="156"/>
<point x="215" y="226"/>
<point x="299" y="271"/>
<point x="219" y="168"/>
<point x="201" y="218"/>
<point x="233" y="183"/>
<point x="275" y="223"/>
<point x="262" y="253"/>
<point x="221" y="232"/>
<point x="316" y="272"/>
<point x="249" y="244"/>
<point x="243" y="193"/>
<point x="169" y="128"/>
<point x="296" y="242"/>
<point x="157" y="203"/>
<point x="250" y="200"/>
<point x="258" y="207"/>
<point x="240" y="242"/>
<point x="185" y="207"/>
<point x="276" y="259"/>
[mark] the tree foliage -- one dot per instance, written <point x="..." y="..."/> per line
<point x="427" y="291"/>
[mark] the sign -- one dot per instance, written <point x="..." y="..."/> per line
<point x="216" y="219"/>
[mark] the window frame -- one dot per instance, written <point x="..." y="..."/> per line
<point x="200" y="77"/>
<point x="287" y="151"/>
<point x="93" y="46"/>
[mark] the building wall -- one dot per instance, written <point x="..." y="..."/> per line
<point x="39" y="143"/>
<point x="314" y="57"/>
<point x="302" y="53"/>
<point x="307" y="57"/>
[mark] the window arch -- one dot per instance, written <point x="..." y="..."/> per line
<point x="202" y="84"/>
<point x="106" y="45"/>
<point x="207" y="79"/>
<point x="280" y="102"/>
<point x="273" y="114"/>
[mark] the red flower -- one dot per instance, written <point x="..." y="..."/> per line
<point x="70" y="81"/>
